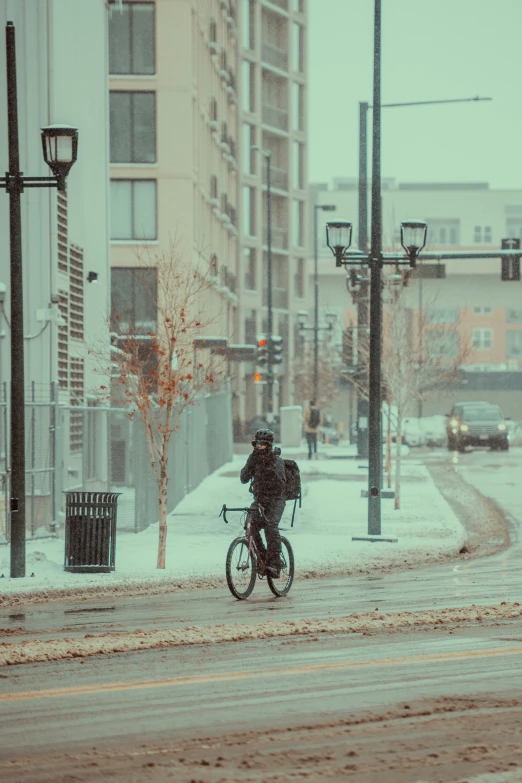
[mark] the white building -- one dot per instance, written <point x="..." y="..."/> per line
<point x="61" y="48"/>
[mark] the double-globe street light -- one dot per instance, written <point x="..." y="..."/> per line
<point x="362" y="294"/>
<point x="60" y="147"/>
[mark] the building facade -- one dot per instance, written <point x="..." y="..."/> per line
<point x="61" y="52"/>
<point x="173" y="141"/>
<point x="273" y="98"/>
<point x="469" y="296"/>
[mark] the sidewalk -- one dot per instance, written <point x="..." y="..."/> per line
<point x="333" y="511"/>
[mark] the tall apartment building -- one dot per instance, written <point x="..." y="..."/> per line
<point x="272" y="84"/>
<point x="173" y="142"/>
<point x="61" y="54"/>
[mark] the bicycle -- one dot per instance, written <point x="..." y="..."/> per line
<point x="244" y="563"/>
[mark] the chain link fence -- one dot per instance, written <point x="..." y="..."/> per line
<point x="110" y="455"/>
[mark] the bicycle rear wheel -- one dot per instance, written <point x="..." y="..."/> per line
<point x="281" y="586"/>
<point x="240" y="569"/>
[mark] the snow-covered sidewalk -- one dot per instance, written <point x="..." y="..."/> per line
<point x="333" y="512"/>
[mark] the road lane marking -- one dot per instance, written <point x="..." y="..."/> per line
<point x="202" y="679"/>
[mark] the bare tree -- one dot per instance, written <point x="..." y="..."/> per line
<point x="416" y="358"/>
<point x="156" y="373"/>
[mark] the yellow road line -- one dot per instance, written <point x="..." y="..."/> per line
<point x="201" y="679"/>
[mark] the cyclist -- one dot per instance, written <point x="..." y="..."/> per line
<point x="266" y="469"/>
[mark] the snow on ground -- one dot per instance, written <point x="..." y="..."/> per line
<point x="332" y="513"/>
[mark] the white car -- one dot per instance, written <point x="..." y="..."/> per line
<point x="434" y="430"/>
<point x="413" y="432"/>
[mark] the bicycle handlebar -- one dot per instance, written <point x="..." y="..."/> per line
<point x="224" y="510"/>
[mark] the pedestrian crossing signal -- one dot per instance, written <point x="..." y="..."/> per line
<point x="258" y="377"/>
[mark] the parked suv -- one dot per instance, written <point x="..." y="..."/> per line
<point x="479" y="425"/>
<point x="453" y="419"/>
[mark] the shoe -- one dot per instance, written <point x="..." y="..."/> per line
<point x="273" y="571"/>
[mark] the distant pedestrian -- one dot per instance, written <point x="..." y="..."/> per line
<point x="313" y="419"/>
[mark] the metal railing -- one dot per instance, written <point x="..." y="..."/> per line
<point x="275" y="56"/>
<point x="114" y="457"/>
<point x="274" y="116"/>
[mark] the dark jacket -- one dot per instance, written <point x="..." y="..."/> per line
<point x="268" y="473"/>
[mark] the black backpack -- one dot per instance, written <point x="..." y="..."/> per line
<point x="293" y="484"/>
<point x="315" y="418"/>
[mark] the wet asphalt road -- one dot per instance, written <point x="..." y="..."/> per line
<point x="452" y="584"/>
<point x="178" y="693"/>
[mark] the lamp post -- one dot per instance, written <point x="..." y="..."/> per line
<point x="324" y="208"/>
<point x="267" y="154"/>
<point x="362" y="299"/>
<point x="60" y="146"/>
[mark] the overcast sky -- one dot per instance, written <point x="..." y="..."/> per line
<point x="431" y="49"/>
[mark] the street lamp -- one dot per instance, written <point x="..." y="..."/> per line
<point x="60" y="146"/>
<point x="324" y="208"/>
<point x="413" y="238"/>
<point x="267" y="154"/>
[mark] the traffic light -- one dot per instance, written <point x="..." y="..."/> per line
<point x="262" y="351"/>
<point x="276" y="344"/>
<point x="510" y="269"/>
<point x="258" y="377"/>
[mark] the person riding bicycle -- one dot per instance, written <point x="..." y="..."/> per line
<point x="266" y="469"/>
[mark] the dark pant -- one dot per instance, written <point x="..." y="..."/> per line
<point x="268" y="519"/>
<point x="311" y="439"/>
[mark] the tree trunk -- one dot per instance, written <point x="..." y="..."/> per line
<point x="388" y="447"/>
<point x="162" y="542"/>
<point x="398" y="445"/>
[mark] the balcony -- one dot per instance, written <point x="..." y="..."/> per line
<point x="279" y="297"/>
<point x="275" y="56"/>
<point x="275" y="117"/>
<point x="278" y="177"/>
<point x="279" y="237"/>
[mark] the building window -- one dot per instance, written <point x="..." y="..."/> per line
<point x="482" y="310"/>
<point x="298" y="223"/>
<point x="514" y="343"/>
<point x="514" y="316"/>
<point x="133" y="127"/>
<point x="249" y="261"/>
<point x="213" y="187"/>
<point x="488" y="235"/>
<point x="249" y="155"/>
<point x="133" y="300"/>
<point x="299" y="279"/>
<point x="298" y="47"/>
<point x="250" y="327"/>
<point x="514" y="227"/>
<point x="298" y="6"/>
<point x="298" y="166"/>
<point x="443" y="344"/>
<point x="477" y="234"/>
<point x="133" y="209"/>
<point x="248" y="74"/>
<point x="482" y="339"/>
<point x="443" y="232"/>
<point x="248" y="24"/>
<point x="297" y="106"/>
<point x="441" y="315"/>
<point x="131" y="39"/>
<point x="249" y="211"/>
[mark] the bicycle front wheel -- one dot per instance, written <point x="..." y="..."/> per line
<point x="281" y="586"/>
<point x="241" y="569"/>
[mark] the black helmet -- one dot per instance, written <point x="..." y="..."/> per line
<point x="266" y="436"/>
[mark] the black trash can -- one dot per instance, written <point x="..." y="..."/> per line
<point x="90" y="531"/>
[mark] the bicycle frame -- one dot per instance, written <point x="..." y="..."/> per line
<point x="252" y="548"/>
